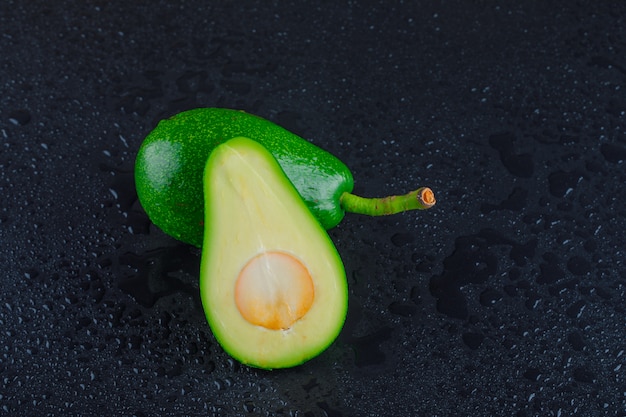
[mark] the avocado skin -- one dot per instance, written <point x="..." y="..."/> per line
<point x="170" y="163"/>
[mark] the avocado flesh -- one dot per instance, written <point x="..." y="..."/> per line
<point x="258" y="232"/>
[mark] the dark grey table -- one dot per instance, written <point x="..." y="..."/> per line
<point x="506" y="299"/>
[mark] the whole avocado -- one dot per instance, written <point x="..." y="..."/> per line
<point x="170" y="163"/>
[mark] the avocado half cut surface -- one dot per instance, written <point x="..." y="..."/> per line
<point x="272" y="284"/>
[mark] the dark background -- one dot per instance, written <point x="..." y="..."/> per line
<point x="506" y="299"/>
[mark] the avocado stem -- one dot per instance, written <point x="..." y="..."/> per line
<point x="420" y="199"/>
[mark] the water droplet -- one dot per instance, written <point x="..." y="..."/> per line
<point x="613" y="153"/>
<point x="19" y="117"/>
<point x="402" y="238"/>
<point x="551" y="272"/>
<point x="562" y="183"/>
<point x="248" y="406"/>
<point x="532" y="374"/>
<point x="402" y="309"/>
<point x="367" y="348"/>
<point x="578" y="265"/>
<point x="576" y="341"/>
<point x="585" y="375"/>
<point x="154" y="278"/>
<point x="489" y="297"/>
<point x="473" y="340"/>
<point x="576" y="310"/>
<point x="516" y="201"/>
<point x="520" y="165"/>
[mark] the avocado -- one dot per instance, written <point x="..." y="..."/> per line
<point x="272" y="284"/>
<point x="171" y="160"/>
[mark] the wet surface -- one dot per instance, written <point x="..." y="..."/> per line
<point x="507" y="298"/>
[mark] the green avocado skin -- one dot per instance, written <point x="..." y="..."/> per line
<point x="170" y="164"/>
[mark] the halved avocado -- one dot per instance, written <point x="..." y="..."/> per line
<point x="273" y="286"/>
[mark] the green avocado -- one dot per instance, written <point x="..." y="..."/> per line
<point x="171" y="161"/>
<point x="272" y="284"/>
